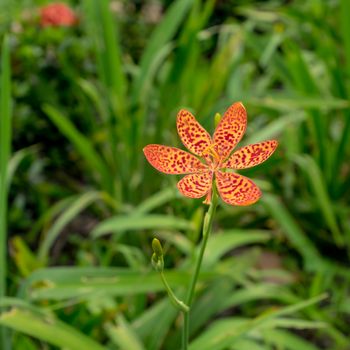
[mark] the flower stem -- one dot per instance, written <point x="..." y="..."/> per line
<point x="177" y="303"/>
<point x="158" y="263"/>
<point x="207" y="227"/>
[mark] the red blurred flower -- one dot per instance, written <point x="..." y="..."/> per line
<point x="57" y="15"/>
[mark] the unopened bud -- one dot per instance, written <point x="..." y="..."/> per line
<point x="217" y="119"/>
<point x="157" y="262"/>
<point x="157" y="248"/>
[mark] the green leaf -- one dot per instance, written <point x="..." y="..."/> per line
<point x="82" y="144"/>
<point x="301" y="103"/>
<point x="16" y="160"/>
<point x="149" y="222"/>
<point x="73" y="282"/>
<point x="345" y="30"/>
<point x="148" y="327"/>
<point x="160" y="37"/>
<point x="223" y="333"/>
<point x="101" y="28"/>
<point x="290" y="227"/>
<point x="318" y="185"/>
<point x="24" y="258"/>
<point x="78" y="205"/>
<point x="225" y="241"/>
<point x="5" y="150"/>
<point x="158" y="199"/>
<point x="276" y="127"/>
<point x="123" y="335"/>
<point x="286" y="340"/>
<point x="47" y="328"/>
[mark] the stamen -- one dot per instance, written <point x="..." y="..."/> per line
<point x="215" y="154"/>
<point x="210" y="150"/>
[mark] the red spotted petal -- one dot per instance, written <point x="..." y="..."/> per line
<point x="230" y="129"/>
<point x="171" y="160"/>
<point x="251" y="155"/>
<point x="236" y="189"/>
<point x="192" y="134"/>
<point x="195" y="185"/>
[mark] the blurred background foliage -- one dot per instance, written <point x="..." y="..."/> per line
<point x="84" y="204"/>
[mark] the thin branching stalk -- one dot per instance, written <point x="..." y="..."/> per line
<point x="207" y="227"/>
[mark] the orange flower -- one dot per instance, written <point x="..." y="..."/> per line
<point x="216" y="156"/>
<point x="57" y="15"/>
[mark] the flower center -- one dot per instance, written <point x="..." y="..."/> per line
<point x="215" y="158"/>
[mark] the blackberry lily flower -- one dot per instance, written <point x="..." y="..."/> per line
<point x="215" y="153"/>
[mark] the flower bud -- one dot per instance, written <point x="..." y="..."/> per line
<point x="157" y="248"/>
<point x="157" y="262"/>
<point x="217" y="119"/>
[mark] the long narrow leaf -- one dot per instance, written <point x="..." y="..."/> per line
<point x="82" y="145"/>
<point x="129" y="222"/>
<point x="123" y="335"/>
<point x="5" y="145"/>
<point x="318" y="185"/>
<point x="47" y="328"/>
<point x="298" y="238"/>
<point x="15" y="161"/>
<point x="162" y="34"/>
<point x="72" y="211"/>
<point x="223" y="333"/>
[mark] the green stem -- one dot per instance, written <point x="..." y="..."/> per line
<point x="177" y="303"/>
<point x="207" y="226"/>
<point x="158" y="264"/>
<point x="5" y="150"/>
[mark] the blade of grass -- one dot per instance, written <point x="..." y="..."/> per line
<point x="156" y="200"/>
<point x="5" y="149"/>
<point x="6" y="10"/>
<point x="16" y="160"/>
<point x="226" y="241"/>
<point x="123" y="335"/>
<point x="282" y="339"/>
<point x="345" y="29"/>
<point x="66" y="283"/>
<point x="302" y="103"/>
<point x="318" y="185"/>
<point x="145" y="222"/>
<point x="23" y="257"/>
<point x="101" y="28"/>
<point x="223" y="333"/>
<point x="158" y="42"/>
<point x="150" y="330"/>
<point x="68" y="214"/>
<point x="83" y="146"/>
<point x="47" y="328"/>
<point x="276" y="127"/>
<point x="302" y="243"/>
<point x="248" y="344"/>
<point x="345" y="138"/>
<point x="304" y="83"/>
<point x="95" y="97"/>
<point x="162" y="35"/>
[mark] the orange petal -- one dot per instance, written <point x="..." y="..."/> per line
<point x="230" y="129"/>
<point x="236" y="189"/>
<point x="251" y="155"/>
<point x="192" y="134"/>
<point x="195" y="185"/>
<point x="171" y="160"/>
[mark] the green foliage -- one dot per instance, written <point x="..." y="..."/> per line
<point x="84" y="206"/>
<point x="5" y="145"/>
